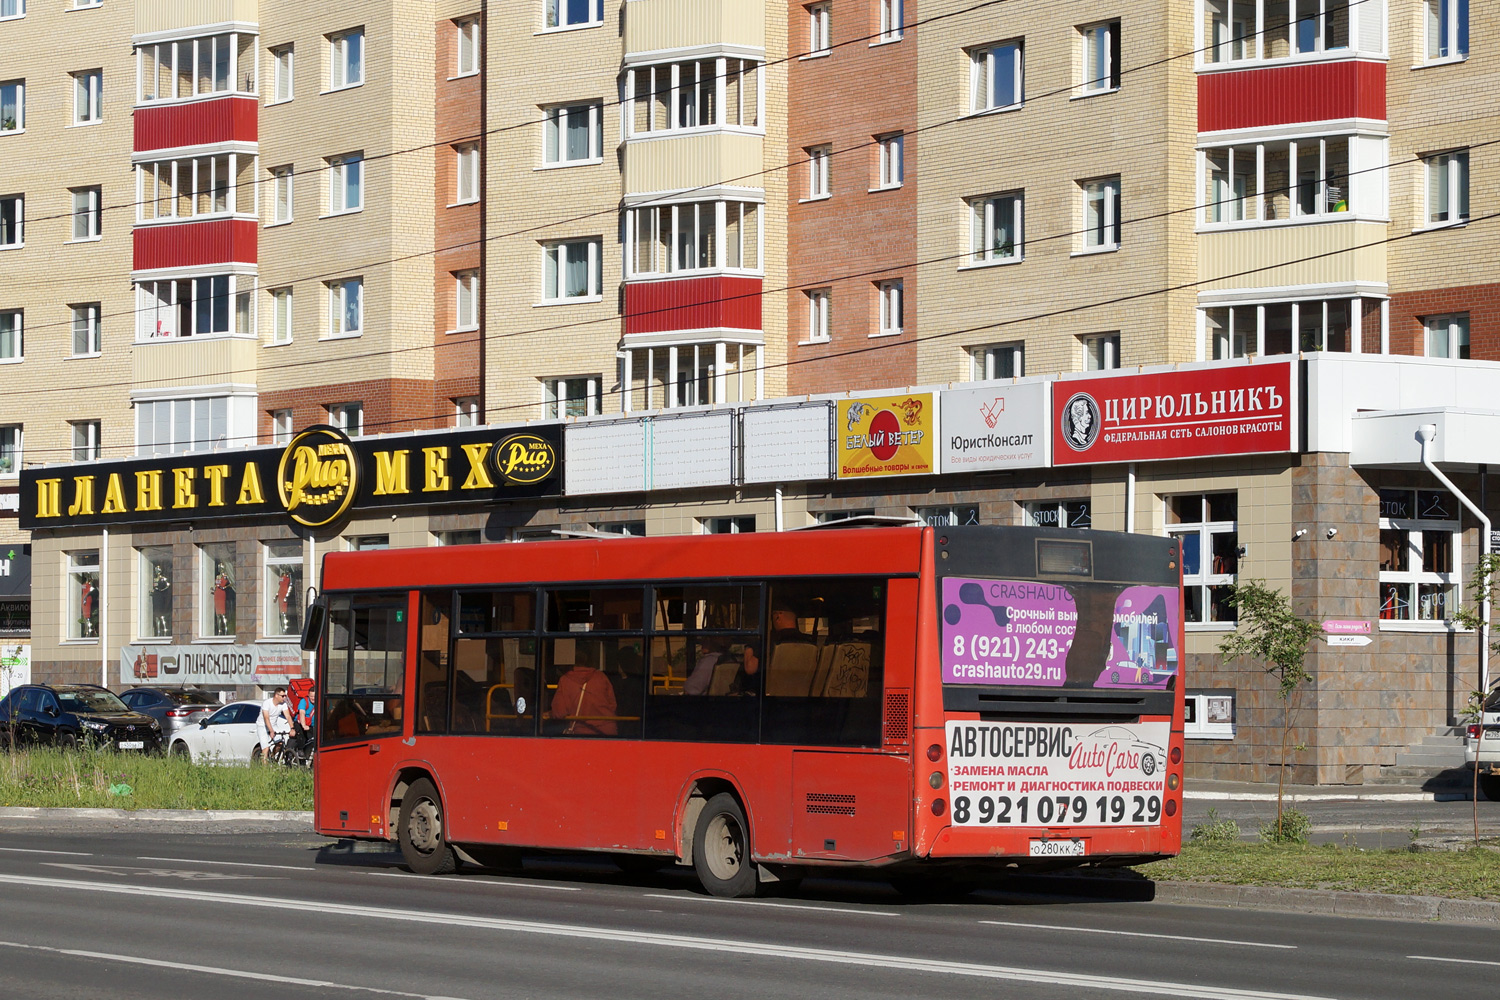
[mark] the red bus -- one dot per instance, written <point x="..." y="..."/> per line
<point x="931" y="702"/>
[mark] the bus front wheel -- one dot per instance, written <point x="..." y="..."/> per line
<point x="721" y="850"/>
<point x="424" y="843"/>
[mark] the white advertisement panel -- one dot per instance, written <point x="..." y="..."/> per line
<point x="15" y="665"/>
<point x="604" y="457"/>
<point x="691" y="450"/>
<point x="788" y="444"/>
<point x="1031" y="774"/>
<point x="1001" y="426"/>
<point x="257" y="663"/>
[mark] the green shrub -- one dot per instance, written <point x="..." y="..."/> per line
<point x="1214" y="830"/>
<point x="1293" y="829"/>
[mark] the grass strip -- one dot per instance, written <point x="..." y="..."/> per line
<point x="88" y="778"/>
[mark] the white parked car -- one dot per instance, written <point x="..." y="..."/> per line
<point x="1482" y="748"/>
<point x="229" y="736"/>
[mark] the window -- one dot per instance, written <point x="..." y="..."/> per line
<point x="1447" y="23"/>
<point x="346" y="307"/>
<point x="12" y="335"/>
<point x="572" y="397"/>
<point x="194" y="307"/>
<point x="466" y="33"/>
<point x="281" y="315"/>
<point x="346" y="59"/>
<point x="1447" y="336"/>
<point x="281" y="194"/>
<point x="155" y="590"/>
<point x="1235" y="30"/>
<point x="892" y="19"/>
<point x="465" y="536"/>
<point x="348" y="417"/>
<point x="85" y="440"/>
<point x="947" y="517"/>
<point x="281" y="426"/>
<point x="1419" y="555"/>
<point x="85" y="213"/>
<point x="10" y="450"/>
<point x="995" y="224"/>
<point x="1447" y="187"/>
<point x="1101" y="213"/>
<point x="85" y="595"/>
<point x="466" y="173"/>
<point x="1205" y="526"/>
<point x="1289" y="179"/>
<point x="819" y="29"/>
<point x="344" y="188"/>
<point x="1287" y="327"/>
<point x="1101" y="352"/>
<point x="993" y="361"/>
<point x="218" y="585"/>
<point x="12" y="8"/>
<point x="1101" y="57"/>
<point x="87" y="336"/>
<point x="1058" y="514"/>
<point x="369" y="543"/>
<point x="194" y="186"/>
<point x="12" y="105"/>
<point x="466" y="300"/>
<point x="12" y="220"/>
<point x="891" y="149"/>
<point x="996" y="76"/>
<point x="574" y="13"/>
<point x="892" y="307"/>
<point x="88" y="95"/>
<point x="572" y="270"/>
<point x="727" y="525"/>
<point x="685" y="95"/>
<point x="695" y="236"/>
<point x="819" y="315"/>
<point x="817" y="171"/>
<point x="282" y="63"/>
<point x="363" y="678"/>
<point x="572" y="134"/>
<point x="283" y="588"/>
<point x="172" y="426"/>
<point x="466" y="411"/>
<point x="631" y="529"/>
<point x="196" y="67"/>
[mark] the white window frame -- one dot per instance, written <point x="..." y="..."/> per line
<point x="1237" y="194"/>
<point x="819" y="29"/>
<point x="556" y="255"/>
<point x="18" y="88"/>
<point x="1447" y="177"/>
<point x="986" y="361"/>
<point x="159" y="306"/>
<point x="723" y="93"/>
<point x="1101" y="351"/>
<point x="1416" y="576"/>
<point x="556" y="397"/>
<point x="819" y="315"/>
<point x="346" y="172"/>
<point x="736" y="524"/>
<point x="1445" y="30"/>
<point x="719" y="227"/>
<point x="86" y="214"/>
<point x="465" y="300"/>
<point x="892" y="311"/>
<point x="283" y="306"/>
<point x="892" y="160"/>
<point x="283" y="195"/>
<point x="19" y="229"/>
<point x="80" y="564"/>
<point x="818" y="180"/>
<point x="346" y="59"/>
<point x="556" y="16"/>
<point x="1206" y="578"/>
<point x="281" y="426"/>
<point x="12" y="449"/>
<point x="88" y="96"/>
<point x="348" y="417"/>
<point x="283" y="73"/>
<point x="985" y="64"/>
<point x="339" y="314"/>
<point x="466" y="173"/>
<point x="892" y="20"/>
<point x="1100" y="49"/>
<point x="18" y="10"/>
<point x="466" y="411"/>
<point x="209" y="185"/>
<point x="1056" y="513"/>
<point x="555" y="134"/>
<point x="1102" y="235"/>
<point x="986" y="214"/>
<point x="174" y="426"/>
<point x="1453" y="328"/>
<point x="85" y="435"/>
<point x="87" y="324"/>
<point x="467" y="52"/>
<point x="271" y="565"/>
<point x="12" y="336"/>
<point x="219" y="54"/>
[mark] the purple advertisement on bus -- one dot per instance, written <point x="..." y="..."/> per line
<point x="1029" y="634"/>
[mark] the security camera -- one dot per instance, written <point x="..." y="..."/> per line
<point x="1332" y="532"/>
<point x="1298" y="533"/>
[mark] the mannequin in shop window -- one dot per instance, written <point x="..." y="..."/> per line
<point x="286" y="602"/>
<point x="161" y="603"/>
<point x="88" y="594"/>
<point x="223" y="602"/>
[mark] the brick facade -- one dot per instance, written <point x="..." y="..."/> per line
<point x="1481" y="302"/>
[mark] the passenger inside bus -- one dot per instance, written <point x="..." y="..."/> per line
<point x="585" y="697"/>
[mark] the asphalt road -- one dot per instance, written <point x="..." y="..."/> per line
<point x="117" y="915"/>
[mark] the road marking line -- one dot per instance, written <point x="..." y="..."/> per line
<point x="212" y="971"/>
<point x="125" y="871"/>
<point x="1460" y="961"/>
<point x="518" y="885"/>
<point x="1143" y="934"/>
<point x="237" y="864"/>
<point x="762" y="902"/>
<point x="718" y="946"/>
<point x="30" y="850"/>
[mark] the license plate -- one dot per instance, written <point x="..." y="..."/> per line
<point x="132" y="744"/>
<point x="1057" y="849"/>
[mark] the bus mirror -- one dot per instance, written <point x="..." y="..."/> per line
<point x="312" y="626"/>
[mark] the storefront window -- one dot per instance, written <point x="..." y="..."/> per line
<point x="1206" y="526"/>
<point x="283" y="587"/>
<point x="947" y="517"/>
<point x="156" y="592"/>
<point x="85" y="593"/>
<point x="218" y="585"/>
<point x="1055" y="514"/>
<point x="1419" y="573"/>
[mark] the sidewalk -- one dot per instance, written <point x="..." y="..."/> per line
<point x="1245" y="791"/>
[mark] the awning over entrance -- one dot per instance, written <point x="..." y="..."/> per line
<point x="1466" y="438"/>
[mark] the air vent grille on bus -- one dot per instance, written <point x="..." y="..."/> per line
<point x="898" y="716"/>
<point x="830" y="804"/>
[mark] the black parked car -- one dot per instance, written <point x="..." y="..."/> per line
<point x="173" y="709"/>
<point x="67" y="715"/>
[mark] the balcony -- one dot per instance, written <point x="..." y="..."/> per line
<point x="682" y="162"/>
<point x="195" y="244"/>
<point x="173" y="15"/>
<point x="196" y="123"/>
<point x="195" y="361"/>
<point x="1328" y="253"/>
<point x="1286" y="95"/>
<point x="657" y="311"/>
<point x="662" y="25"/>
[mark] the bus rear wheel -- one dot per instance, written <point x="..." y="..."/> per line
<point x="424" y="843"/>
<point x="721" y="850"/>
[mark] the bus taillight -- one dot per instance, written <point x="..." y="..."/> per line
<point x="1173" y="781"/>
<point x="934" y="752"/>
<point x="1171" y="807"/>
<point x="1177" y="755"/>
<point x="938" y="807"/>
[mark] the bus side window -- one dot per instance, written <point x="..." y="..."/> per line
<point x="363" y="685"/>
<point x="432" y="667"/>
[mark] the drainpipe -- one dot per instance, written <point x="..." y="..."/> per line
<point x="780" y="522"/>
<point x="1426" y="434"/>
<point x="104" y="591"/>
<point x="1130" y="497"/>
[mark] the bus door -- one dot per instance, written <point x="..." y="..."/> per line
<point x="361" y="709"/>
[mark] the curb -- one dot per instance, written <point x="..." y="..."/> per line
<point x="160" y="815"/>
<point x="1296" y="799"/>
<point x="1325" y="903"/>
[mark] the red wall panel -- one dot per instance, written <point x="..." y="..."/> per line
<point x="219" y="120"/>
<point x="693" y="304"/>
<point x="1283" y="95"/>
<point x="193" y="244"/>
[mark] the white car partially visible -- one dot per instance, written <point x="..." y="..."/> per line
<point x="229" y="736"/>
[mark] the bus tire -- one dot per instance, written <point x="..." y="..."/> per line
<point x="424" y="842"/>
<point x="721" y="850"/>
<point x="496" y="857"/>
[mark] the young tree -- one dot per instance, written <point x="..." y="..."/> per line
<point x="1269" y="631"/>
<point x="1482" y="586"/>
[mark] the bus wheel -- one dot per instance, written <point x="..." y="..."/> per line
<point x="420" y="829"/>
<point x="721" y="849"/>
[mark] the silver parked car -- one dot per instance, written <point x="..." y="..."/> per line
<point x="174" y="709"/>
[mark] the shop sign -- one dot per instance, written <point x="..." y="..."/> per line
<point x="1335" y="626"/>
<point x="1001" y="427"/>
<point x="253" y="663"/>
<point x="15" y="571"/>
<point x="15" y="665"/>
<point x="1347" y="640"/>
<point x="10" y="502"/>
<point x="885" y="436"/>
<point x="316" y="480"/>
<point x="1197" y="413"/>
